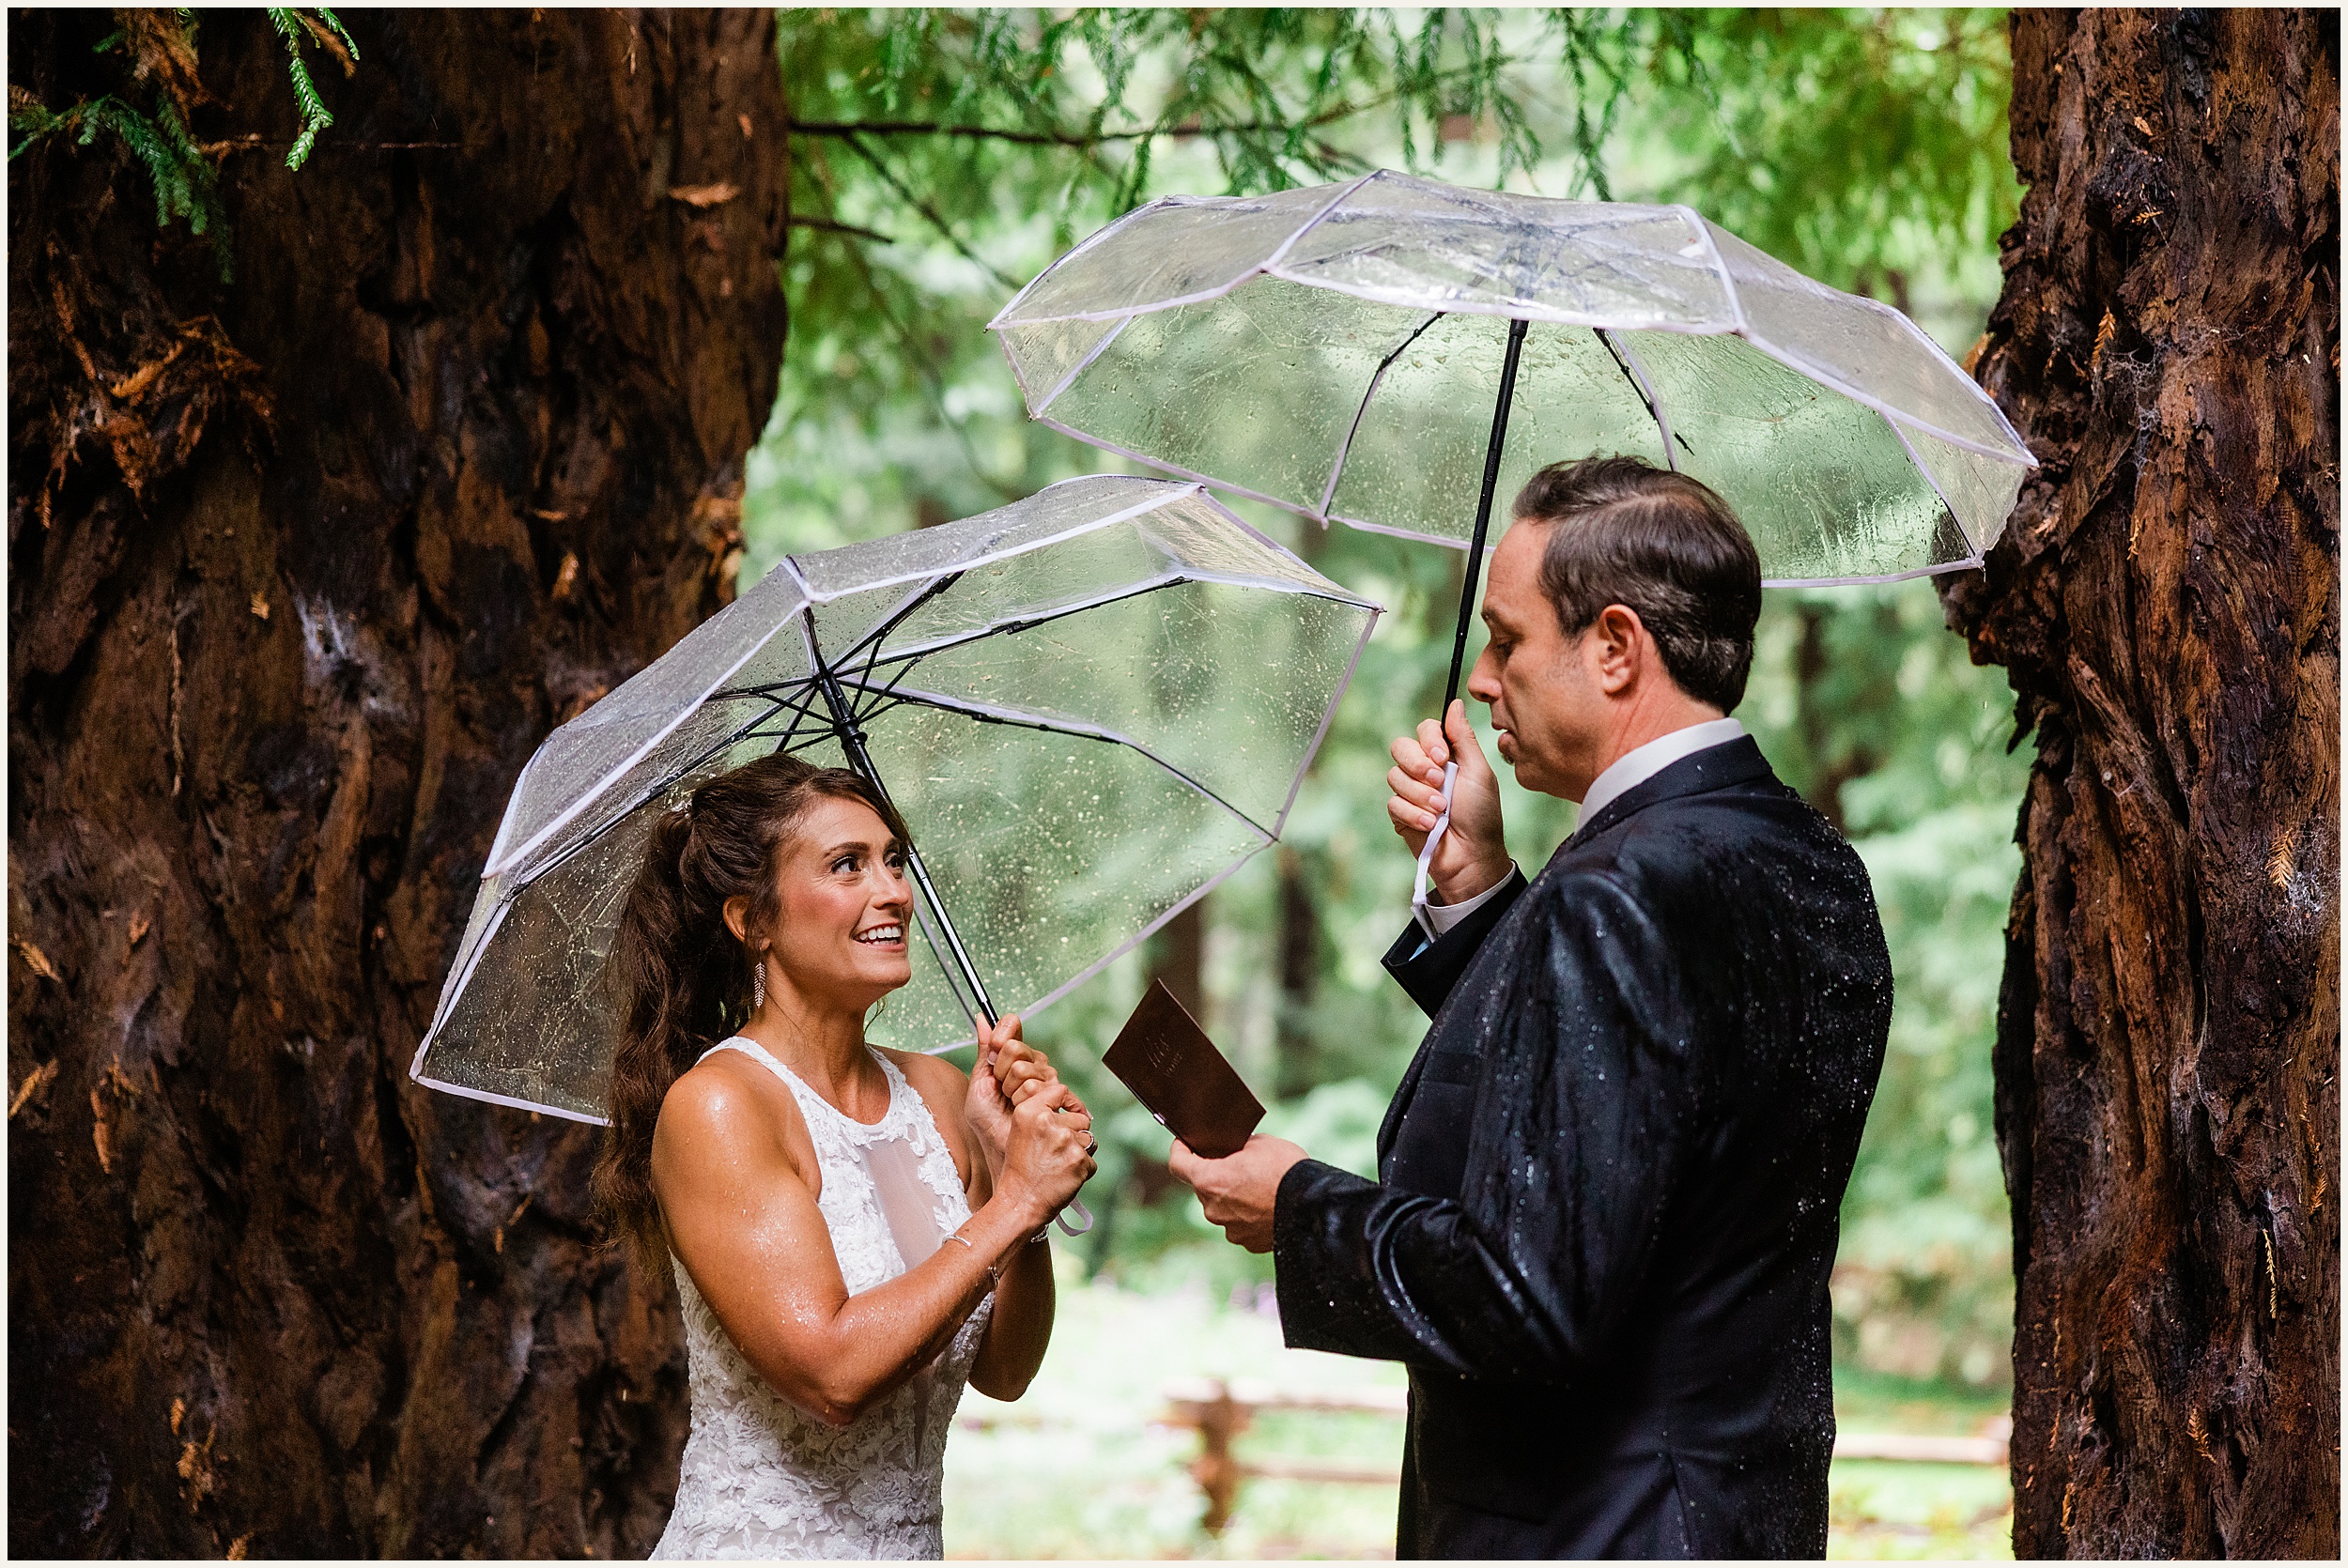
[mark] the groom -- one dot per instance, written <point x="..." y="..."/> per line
<point x="1608" y="1186"/>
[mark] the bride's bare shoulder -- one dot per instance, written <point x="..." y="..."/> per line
<point x="727" y="1106"/>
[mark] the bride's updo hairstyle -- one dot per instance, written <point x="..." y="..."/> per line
<point x="683" y="981"/>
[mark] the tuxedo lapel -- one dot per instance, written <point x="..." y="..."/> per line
<point x="1736" y="761"/>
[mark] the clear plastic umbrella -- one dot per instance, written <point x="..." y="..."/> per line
<point x="1337" y="351"/>
<point x="1090" y="706"/>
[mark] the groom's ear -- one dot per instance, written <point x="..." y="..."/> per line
<point x="1621" y="648"/>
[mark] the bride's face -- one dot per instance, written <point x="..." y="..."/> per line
<point x="846" y="906"/>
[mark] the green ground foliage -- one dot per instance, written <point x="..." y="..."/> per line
<point x="1867" y="148"/>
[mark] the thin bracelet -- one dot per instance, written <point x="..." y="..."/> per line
<point x="993" y="1270"/>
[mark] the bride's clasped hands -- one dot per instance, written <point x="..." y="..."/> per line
<point x="1035" y="1134"/>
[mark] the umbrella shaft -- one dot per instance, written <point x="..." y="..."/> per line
<point x="1484" y="509"/>
<point x="953" y="938"/>
<point x="851" y="735"/>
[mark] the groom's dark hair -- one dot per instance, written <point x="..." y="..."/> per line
<point x="1630" y="533"/>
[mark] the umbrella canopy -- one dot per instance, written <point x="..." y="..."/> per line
<point x="1090" y="706"/>
<point x="1336" y="350"/>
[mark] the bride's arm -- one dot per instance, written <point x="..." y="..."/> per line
<point x="745" y="1224"/>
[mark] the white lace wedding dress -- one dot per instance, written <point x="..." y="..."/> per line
<point x="761" y="1479"/>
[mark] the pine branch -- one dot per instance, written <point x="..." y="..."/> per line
<point x="1080" y="139"/>
<point x="161" y="48"/>
<point x="888" y="176"/>
<point x="294" y="28"/>
<point x="340" y="31"/>
<point x="829" y="225"/>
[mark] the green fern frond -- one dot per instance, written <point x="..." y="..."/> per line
<point x="197" y="184"/>
<point x="315" y="115"/>
<point x="34" y="121"/>
<point x="184" y="183"/>
<point x="139" y="136"/>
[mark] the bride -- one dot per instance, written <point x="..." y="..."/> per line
<point x="856" y="1232"/>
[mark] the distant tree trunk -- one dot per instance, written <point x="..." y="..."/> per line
<point x="1824" y="690"/>
<point x="1299" y="974"/>
<point x="2166" y="600"/>
<point x="302" y="567"/>
<point x="1179" y="958"/>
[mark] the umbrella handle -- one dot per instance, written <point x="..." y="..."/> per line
<point x="1427" y="855"/>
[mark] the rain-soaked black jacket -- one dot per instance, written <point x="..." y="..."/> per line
<point x="1609" y="1185"/>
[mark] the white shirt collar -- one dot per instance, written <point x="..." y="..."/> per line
<point x="1641" y="763"/>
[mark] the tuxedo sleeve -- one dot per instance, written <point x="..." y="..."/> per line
<point x="1579" y="1137"/>
<point x="1429" y="970"/>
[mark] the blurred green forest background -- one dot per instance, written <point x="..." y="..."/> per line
<point x="940" y="160"/>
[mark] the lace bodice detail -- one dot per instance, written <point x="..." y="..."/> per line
<point x="763" y="1478"/>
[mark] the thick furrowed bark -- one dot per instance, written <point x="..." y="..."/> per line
<point x="2166" y="599"/>
<point x="457" y="451"/>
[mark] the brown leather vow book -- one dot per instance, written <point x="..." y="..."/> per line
<point x="1181" y="1078"/>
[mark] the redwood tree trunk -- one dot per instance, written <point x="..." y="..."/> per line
<point x="2167" y="601"/>
<point x="302" y="567"/>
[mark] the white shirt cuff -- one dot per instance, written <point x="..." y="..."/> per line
<point x="1442" y="917"/>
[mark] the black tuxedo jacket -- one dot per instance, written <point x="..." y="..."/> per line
<point x="1608" y="1186"/>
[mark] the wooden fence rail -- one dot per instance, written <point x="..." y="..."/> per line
<point x="1220" y="1412"/>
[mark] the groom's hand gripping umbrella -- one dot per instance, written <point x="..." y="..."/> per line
<point x="1332" y="350"/>
<point x="1092" y="706"/>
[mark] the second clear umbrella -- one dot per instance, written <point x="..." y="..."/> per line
<point x="1392" y="352"/>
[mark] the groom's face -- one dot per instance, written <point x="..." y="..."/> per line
<point x="1549" y="708"/>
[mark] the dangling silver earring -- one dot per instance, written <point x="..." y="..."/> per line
<point x="758" y="985"/>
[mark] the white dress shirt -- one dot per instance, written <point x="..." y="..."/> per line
<point x="1633" y="768"/>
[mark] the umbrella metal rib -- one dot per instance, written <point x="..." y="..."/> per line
<point x="1345" y="448"/>
<point x="983" y="713"/>
<point x="1635" y="373"/>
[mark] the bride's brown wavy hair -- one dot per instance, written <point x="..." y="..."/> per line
<point x="683" y="982"/>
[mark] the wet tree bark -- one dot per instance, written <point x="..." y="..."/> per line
<point x="302" y="567"/>
<point x="2166" y="600"/>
